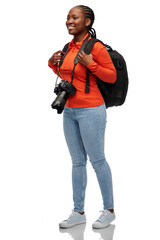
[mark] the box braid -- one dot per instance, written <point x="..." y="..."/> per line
<point x="89" y="14"/>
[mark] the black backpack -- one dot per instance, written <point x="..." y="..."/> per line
<point x="114" y="94"/>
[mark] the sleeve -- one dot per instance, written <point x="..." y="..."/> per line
<point x="54" y="67"/>
<point x="102" y="65"/>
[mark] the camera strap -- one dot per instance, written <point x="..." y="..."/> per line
<point x="66" y="49"/>
<point x="76" y="58"/>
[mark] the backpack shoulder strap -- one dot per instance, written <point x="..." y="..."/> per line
<point x="65" y="49"/>
<point x="87" y="50"/>
<point x="91" y="43"/>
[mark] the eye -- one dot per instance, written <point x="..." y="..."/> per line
<point x="74" y="17"/>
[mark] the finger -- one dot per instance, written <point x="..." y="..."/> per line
<point x="59" y="52"/>
<point x="80" y="55"/>
<point x="62" y="53"/>
<point x="83" y="53"/>
<point x="56" y="60"/>
<point x="57" y="56"/>
<point x="80" y="58"/>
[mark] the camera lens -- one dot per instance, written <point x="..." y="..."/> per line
<point x="65" y="90"/>
<point x="60" y="101"/>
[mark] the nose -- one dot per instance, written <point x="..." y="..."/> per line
<point x="69" y="21"/>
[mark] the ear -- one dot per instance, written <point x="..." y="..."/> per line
<point x="88" y="22"/>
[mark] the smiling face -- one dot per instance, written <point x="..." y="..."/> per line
<point x="77" y="24"/>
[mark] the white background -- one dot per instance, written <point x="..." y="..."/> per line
<point x="35" y="166"/>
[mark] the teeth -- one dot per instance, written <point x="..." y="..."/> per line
<point x="70" y="27"/>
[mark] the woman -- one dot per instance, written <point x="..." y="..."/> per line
<point x="84" y="116"/>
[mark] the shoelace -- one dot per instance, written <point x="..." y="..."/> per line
<point x="72" y="214"/>
<point x="103" y="216"/>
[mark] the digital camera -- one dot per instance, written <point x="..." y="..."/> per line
<point x="63" y="91"/>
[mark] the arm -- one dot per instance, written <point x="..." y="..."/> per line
<point x="54" y="67"/>
<point x="99" y="63"/>
<point x="54" y="61"/>
<point x="102" y="66"/>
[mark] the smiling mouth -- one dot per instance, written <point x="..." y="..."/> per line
<point x="70" y="27"/>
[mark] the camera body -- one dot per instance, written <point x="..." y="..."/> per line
<point x="63" y="91"/>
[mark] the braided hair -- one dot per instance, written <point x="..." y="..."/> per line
<point x="89" y="14"/>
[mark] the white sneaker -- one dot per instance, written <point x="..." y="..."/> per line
<point x="104" y="220"/>
<point x="74" y="219"/>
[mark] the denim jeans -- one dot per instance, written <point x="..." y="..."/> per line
<point x="84" y="130"/>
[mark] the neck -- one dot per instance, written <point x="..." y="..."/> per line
<point x="79" y="38"/>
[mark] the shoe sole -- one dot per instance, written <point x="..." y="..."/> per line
<point x="70" y="225"/>
<point x="102" y="226"/>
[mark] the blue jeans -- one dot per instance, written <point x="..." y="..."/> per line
<point x="84" y="130"/>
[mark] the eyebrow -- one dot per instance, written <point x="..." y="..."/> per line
<point x="72" y="15"/>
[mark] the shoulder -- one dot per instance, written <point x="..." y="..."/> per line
<point x="98" y="47"/>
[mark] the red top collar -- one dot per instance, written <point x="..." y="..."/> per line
<point x="78" y="44"/>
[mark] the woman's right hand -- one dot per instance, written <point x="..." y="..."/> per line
<point x="56" y="57"/>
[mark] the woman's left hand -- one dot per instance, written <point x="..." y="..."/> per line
<point x="85" y="59"/>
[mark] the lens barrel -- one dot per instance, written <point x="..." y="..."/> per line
<point x="66" y="89"/>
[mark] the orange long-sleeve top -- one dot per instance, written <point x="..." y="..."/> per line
<point x="101" y="66"/>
